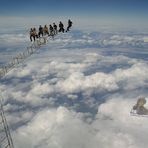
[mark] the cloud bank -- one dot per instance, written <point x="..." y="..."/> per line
<point x="77" y="91"/>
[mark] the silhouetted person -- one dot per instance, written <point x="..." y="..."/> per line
<point x="69" y="25"/>
<point x="61" y="27"/>
<point x="55" y="28"/>
<point x="51" y="30"/>
<point x="31" y="34"/>
<point x="40" y="31"/>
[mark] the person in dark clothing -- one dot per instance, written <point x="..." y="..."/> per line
<point x="31" y="34"/>
<point x="40" y="31"/>
<point x="51" y="30"/>
<point x="69" y="25"/>
<point x="61" y="26"/>
<point x="55" y="28"/>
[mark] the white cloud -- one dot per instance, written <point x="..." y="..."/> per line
<point x="70" y="96"/>
<point x="14" y="40"/>
<point x="72" y="71"/>
<point x="63" y="128"/>
<point x="57" y="128"/>
<point x="116" y="114"/>
<point x="78" y="82"/>
<point x="133" y="77"/>
<point x="39" y="89"/>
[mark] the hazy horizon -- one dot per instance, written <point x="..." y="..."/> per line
<point x="91" y="13"/>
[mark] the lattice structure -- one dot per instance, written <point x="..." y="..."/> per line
<point x="5" y="136"/>
<point x="22" y="56"/>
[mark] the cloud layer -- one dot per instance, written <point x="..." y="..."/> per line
<point x="78" y="91"/>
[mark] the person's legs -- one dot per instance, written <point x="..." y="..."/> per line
<point x="39" y="34"/>
<point x="34" y="38"/>
<point x="67" y="29"/>
<point x="63" y="30"/>
<point x="31" y="38"/>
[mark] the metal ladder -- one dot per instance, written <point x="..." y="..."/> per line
<point x="5" y="136"/>
<point x="22" y="56"/>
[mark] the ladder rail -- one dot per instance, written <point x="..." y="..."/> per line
<point x="19" y="58"/>
<point x="6" y="140"/>
<point x="5" y="126"/>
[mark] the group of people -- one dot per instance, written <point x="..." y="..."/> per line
<point x="50" y="31"/>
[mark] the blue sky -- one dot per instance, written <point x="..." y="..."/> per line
<point x="120" y="12"/>
<point x="74" y="7"/>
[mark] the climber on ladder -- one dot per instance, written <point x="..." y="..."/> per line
<point x="33" y="34"/>
<point x="46" y="31"/>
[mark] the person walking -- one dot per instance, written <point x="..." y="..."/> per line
<point x="51" y="30"/>
<point x="61" y="27"/>
<point x="55" y="28"/>
<point x="46" y="31"/>
<point x="69" y="25"/>
<point x="40" y="31"/>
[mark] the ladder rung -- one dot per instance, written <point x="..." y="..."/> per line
<point x="7" y="146"/>
<point x="1" y="140"/>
